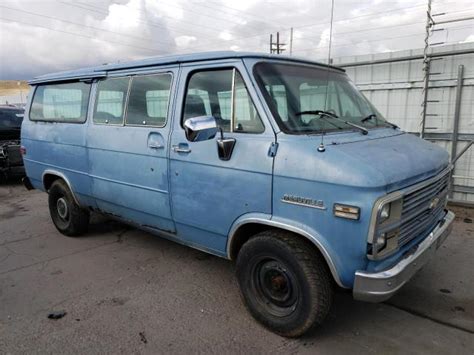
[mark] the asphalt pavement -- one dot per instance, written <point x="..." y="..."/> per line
<point x="125" y="291"/>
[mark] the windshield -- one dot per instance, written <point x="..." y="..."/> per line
<point x="294" y="92"/>
<point x="10" y="118"/>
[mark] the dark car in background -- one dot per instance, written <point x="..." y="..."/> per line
<point x="11" y="162"/>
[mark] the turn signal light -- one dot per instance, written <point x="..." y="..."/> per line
<point x="346" y="211"/>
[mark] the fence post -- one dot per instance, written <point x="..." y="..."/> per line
<point x="457" y="114"/>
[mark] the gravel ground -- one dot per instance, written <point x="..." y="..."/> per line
<point x="126" y="291"/>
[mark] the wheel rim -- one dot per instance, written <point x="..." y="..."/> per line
<point x="61" y="207"/>
<point x="275" y="287"/>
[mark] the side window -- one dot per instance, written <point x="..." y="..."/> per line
<point x="148" y="100"/>
<point x="223" y="95"/>
<point x="61" y="102"/>
<point x="110" y="100"/>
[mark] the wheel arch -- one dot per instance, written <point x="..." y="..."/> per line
<point x="50" y="176"/>
<point x="244" y="229"/>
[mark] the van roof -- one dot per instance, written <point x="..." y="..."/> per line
<point x="101" y="70"/>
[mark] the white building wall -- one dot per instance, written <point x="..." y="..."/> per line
<point x="395" y="88"/>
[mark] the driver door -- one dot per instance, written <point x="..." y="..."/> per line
<point x="209" y="193"/>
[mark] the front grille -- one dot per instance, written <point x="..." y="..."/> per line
<point x="420" y="212"/>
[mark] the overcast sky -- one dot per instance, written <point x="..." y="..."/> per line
<point x="37" y="37"/>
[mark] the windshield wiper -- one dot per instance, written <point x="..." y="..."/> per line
<point x="369" y="117"/>
<point x="332" y="115"/>
<point x="323" y="116"/>
<point x="373" y="116"/>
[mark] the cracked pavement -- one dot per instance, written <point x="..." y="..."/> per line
<point x="127" y="291"/>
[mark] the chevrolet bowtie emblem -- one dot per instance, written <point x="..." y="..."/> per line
<point x="434" y="203"/>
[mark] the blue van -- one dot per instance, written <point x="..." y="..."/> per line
<point x="277" y="163"/>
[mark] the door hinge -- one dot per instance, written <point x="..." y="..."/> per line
<point x="272" y="151"/>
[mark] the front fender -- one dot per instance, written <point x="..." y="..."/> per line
<point x="297" y="228"/>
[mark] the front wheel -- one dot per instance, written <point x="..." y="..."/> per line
<point x="284" y="282"/>
<point x="68" y="217"/>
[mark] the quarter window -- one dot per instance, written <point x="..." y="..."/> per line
<point x="148" y="100"/>
<point x="110" y="100"/>
<point x="61" y="102"/>
<point x="223" y="95"/>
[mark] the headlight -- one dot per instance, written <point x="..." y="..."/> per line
<point x="389" y="212"/>
<point x="380" y="242"/>
<point x="385" y="212"/>
<point x="384" y="226"/>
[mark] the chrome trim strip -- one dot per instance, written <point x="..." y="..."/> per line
<point x="379" y="286"/>
<point x="56" y="172"/>
<point x="62" y="176"/>
<point x="290" y="228"/>
<point x="303" y="204"/>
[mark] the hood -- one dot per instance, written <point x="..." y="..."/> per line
<point x="385" y="158"/>
<point x="401" y="160"/>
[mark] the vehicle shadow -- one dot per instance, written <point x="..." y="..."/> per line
<point x="345" y="313"/>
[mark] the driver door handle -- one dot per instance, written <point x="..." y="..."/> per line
<point x="156" y="146"/>
<point x="181" y="149"/>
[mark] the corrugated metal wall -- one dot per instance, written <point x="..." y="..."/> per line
<point x="394" y="85"/>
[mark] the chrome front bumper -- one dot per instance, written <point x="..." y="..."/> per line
<point x="380" y="286"/>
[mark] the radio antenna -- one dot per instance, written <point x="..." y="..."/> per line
<point x="330" y="32"/>
<point x="321" y="147"/>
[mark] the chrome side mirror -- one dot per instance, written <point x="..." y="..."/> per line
<point x="201" y="128"/>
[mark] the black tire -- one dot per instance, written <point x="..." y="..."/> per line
<point x="284" y="282"/>
<point x="68" y="217"/>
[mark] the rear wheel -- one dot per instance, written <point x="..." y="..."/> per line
<point x="68" y="217"/>
<point x="284" y="283"/>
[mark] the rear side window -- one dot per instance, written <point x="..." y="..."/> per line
<point x="61" y="102"/>
<point x="110" y="100"/>
<point x="148" y="100"/>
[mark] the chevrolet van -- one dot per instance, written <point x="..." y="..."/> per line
<point x="277" y="163"/>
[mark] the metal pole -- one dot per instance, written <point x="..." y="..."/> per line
<point x="426" y="83"/>
<point x="291" y="41"/>
<point x="464" y="150"/>
<point x="278" y="42"/>
<point x="457" y="111"/>
<point x="426" y="68"/>
<point x="271" y="43"/>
